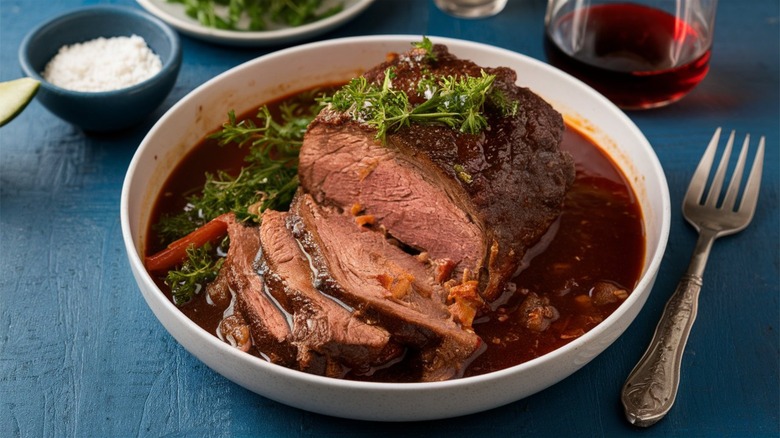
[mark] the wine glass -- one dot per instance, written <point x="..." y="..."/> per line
<point x="639" y="54"/>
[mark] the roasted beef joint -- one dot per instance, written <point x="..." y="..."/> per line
<point x="475" y="202"/>
<point x="395" y="243"/>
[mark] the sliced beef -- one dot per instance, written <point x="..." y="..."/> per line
<point x="270" y="327"/>
<point x="384" y="285"/>
<point x="342" y="163"/>
<point x="320" y="324"/>
<point x="475" y="201"/>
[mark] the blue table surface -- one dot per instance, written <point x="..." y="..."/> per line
<point x="82" y="355"/>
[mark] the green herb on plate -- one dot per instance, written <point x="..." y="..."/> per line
<point x="257" y="15"/>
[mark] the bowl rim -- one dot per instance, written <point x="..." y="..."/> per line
<point x="169" y="65"/>
<point x="645" y="281"/>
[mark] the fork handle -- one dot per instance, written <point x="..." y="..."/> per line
<point x="651" y="388"/>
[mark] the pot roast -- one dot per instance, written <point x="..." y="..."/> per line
<point x="474" y="202"/>
<point x="393" y="246"/>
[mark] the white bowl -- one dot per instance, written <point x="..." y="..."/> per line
<point x="247" y="86"/>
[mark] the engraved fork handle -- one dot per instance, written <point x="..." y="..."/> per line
<point x="651" y="388"/>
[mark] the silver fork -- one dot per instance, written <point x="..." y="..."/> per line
<point x="651" y="388"/>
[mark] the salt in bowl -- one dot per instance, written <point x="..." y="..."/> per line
<point x="102" y="110"/>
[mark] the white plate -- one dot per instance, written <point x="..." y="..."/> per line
<point x="246" y="87"/>
<point x="173" y="14"/>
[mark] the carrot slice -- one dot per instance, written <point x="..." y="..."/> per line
<point x="176" y="252"/>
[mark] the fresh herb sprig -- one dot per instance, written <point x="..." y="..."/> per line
<point x="200" y="268"/>
<point x="260" y="14"/>
<point x="457" y="102"/>
<point x="270" y="178"/>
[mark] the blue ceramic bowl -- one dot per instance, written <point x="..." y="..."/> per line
<point x="105" y="110"/>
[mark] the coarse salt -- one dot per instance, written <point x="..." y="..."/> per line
<point x="102" y="64"/>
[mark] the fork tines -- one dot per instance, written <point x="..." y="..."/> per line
<point x="702" y="173"/>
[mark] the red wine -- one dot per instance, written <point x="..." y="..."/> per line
<point x="637" y="56"/>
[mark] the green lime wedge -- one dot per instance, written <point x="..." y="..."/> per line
<point x="14" y="96"/>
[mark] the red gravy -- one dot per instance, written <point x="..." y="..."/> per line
<point x="600" y="238"/>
